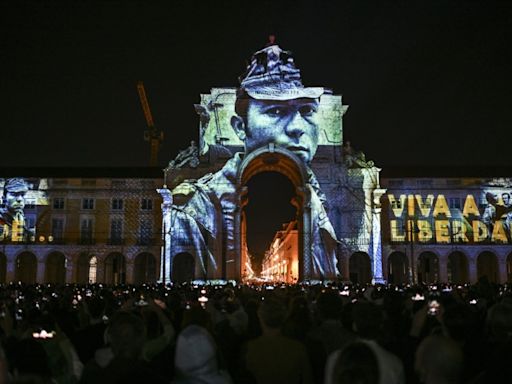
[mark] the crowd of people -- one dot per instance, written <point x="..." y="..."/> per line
<point x="266" y="333"/>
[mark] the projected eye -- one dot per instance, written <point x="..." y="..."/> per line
<point x="274" y="111"/>
<point x="307" y="110"/>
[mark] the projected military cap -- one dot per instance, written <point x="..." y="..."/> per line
<point x="272" y="75"/>
<point x="16" y="185"/>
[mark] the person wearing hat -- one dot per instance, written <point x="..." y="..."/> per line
<point x="272" y="106"/>
<point x="12" y="216"/>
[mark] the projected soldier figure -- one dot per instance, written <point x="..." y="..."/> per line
<point x="272" y="106"/>
<point x="12" y="219"/>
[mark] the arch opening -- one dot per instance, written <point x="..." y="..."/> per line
<point x="115" y="269"/>
<point x="26" y="268"/>
<point x="398" y="266"/>
<point x="55" y="271"/>
<point x="428" y="268"/>
<point x="487" y="266"/>
<point x="183" y="267"/>
<point x="457" y="268"/>
<point x="144" y="268"/>
<point x="269" y="228"/>
<point x="360" y="270"/>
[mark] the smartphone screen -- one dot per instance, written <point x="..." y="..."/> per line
<point x="433" y="307"/>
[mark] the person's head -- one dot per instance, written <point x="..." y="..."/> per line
<point x="273" y="106"/>
<point x="329" y="305"/>
<point x="355" y="364"/>
<point x="127" y="335"/>
<point x="438" y="360"/>
<point x="368" y="319"/>
<point x="499" y="322"/>
<point x="272" y="313"/>
<point x="196" y="352"/>
<point x="506" y="198"/>
<point x="14" y="195"/>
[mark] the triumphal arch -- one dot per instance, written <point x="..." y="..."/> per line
<point x="270" y="123"/>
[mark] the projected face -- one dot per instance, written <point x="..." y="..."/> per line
<point x="506" y="199"/>
<point x="15" y="201"/>
<point x="291" y="124"/>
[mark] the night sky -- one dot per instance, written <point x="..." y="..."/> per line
<point x="428" y="83"/>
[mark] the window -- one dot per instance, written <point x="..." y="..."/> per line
<point x="453" y="182"/>
<point x="30" y="223"/>
<point x="89" y="182"/>
<point x="146" y="204"/>
<point x="454" y="202"/>
<point x="145" y="232"/>
<point x="116" y="231"/>
<point x="86" y="225"/>
<point x="58" y="203"/>
<point x="87" y="203"/>
<point x="117" y="204"/>
<point x="57" y="229"/>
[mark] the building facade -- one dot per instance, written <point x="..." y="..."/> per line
<point x="104" y="229"/>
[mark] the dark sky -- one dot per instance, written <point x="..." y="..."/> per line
<point x="428" y="83"/>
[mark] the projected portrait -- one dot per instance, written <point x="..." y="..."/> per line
<point x="12" y="216"/>
<point x="272" y="108"/>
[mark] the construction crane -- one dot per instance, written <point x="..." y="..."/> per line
<point x="153" y="135"/>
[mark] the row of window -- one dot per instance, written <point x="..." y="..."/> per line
<point x="117" y="204"/>
<point x="423" y="182"/>
<point x="145" y="233"/>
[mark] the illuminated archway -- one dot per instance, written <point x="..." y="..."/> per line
<point x="26" y="268"/>
<point x="183" y="267"/>
<point x="55" y="268"/>
<point x="115" y="269"/>
<point x="487" y="266"/>
<point x="428" y="268"/>
<point x="457" y="267"/>
<point x="93" y="269"/>
<point x="3" y="268"/>
<point x="276" y="159"/>
<point x="398" y="265"/>
<point x="144" y="268"/>
<point x="269" y="227"/>
<point x="360" y="270"/>
<point x="86" y="267"/>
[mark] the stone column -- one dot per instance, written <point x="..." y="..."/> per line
<point x="165" y="252"/>
<point x="70" y="269"/>
<point x="100" y="269"/>
<point x="472" y="271"/>
<point x="41" y="266"/>
<point x="129" y="271"/>
<point x="443" y="268"/>
<point x="10" y="272"/>
<point x="502" y="269"/>
<point x="377" y="266"/>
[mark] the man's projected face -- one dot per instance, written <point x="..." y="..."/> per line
<point x="291" y="124"/>
<point x="506" y="198"/>
<point x="15" y="201"/>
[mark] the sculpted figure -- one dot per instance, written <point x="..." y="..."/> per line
<point x="272" y="106"/>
